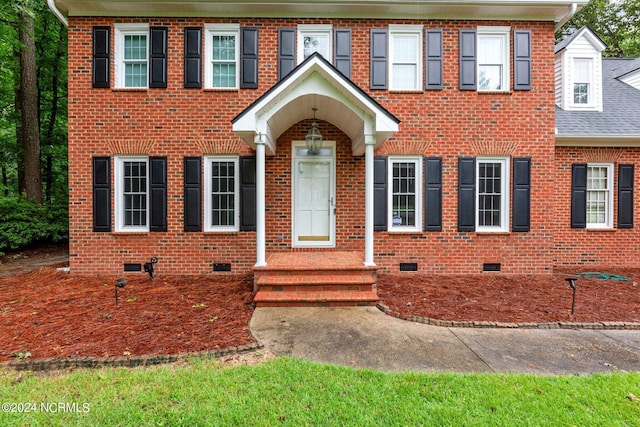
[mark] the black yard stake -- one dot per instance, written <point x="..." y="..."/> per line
<point x="572" y="283"/>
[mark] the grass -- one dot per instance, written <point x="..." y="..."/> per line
<point x="291" y="392"/>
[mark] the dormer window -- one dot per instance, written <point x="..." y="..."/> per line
<point x="582" y="82"/>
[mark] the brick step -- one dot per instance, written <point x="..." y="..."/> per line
<point x="314" y="298"/>
<point x="316" y="280"/>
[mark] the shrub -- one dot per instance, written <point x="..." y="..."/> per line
<point x="24" y="223"/>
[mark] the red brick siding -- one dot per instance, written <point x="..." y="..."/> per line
<point x="177" y="122"/>
<point x="593" y="248"/>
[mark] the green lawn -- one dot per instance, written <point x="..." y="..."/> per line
<point x="291" y="392"/>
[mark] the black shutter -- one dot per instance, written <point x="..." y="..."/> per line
<point x="468" y="60"/>
<point x="466" y="194"/>
<point x="101" y="194"/>
<point x="286" y="51"/>
<point x="522" y="60"/>
<point x="158" y="196"/>
<point x="434" y="59"/>
<point x="342" y="51"/>
<point x="579" y="196"/>
<point x="193" y="57"/>
<point x="433" y="194"/>
<point x="379" y="49"/>
<point x="521" y="215"/>
<point x="249" y="55"/>
<point x="158" y="57"/>
<point x="192" y="194"/>
<point x="380" y="193"/>
<point x="625" y="196"/>
<point x="101" y="53"/>
<point x="248" y="193"/>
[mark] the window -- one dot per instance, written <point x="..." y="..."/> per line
<point x="405" y="51"/>
<point x="492" y="197"/>
<point x="131" y="55"/>
<point x="132" y="191"/>
<point x="315" y="38"/>
<point x="599" y="195"/>
<point x="493" y="58"/>
<point x="582" y="72"/>
<point x="405" y="197"/>
<point x="221" y="202"/>
<point x="222" y="50"/>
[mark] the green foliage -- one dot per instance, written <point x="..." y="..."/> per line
<point x="24" y="223"/>
<point x="616" y="22"/>
<point x="291" y="392"/>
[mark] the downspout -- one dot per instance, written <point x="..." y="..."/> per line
<point x="564" y="19"/>
<point x="54" y="9"/>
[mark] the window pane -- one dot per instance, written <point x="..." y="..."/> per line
<point x="404" y="194"/>
<point x="224" y="61"/>
<point x="224" y="48"/>
<point x="135" y="193"/>
<point x="489" y="194"/>
<point x="222" y="193"/>
<point x="135" y="75"/>
<point x="582" y="70"/>
<point x="316" y="43"/>
<point x="490" y="49"/>
<point x="405" y="48"/>
<point x="404" y="77"/>
<point x="597" y="195"/>
<point x="135" y="47"/>
<point x="581" y="93"/>
<point x="490" y="77"/>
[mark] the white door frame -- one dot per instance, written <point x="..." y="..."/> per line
<point x="328" y="154"/>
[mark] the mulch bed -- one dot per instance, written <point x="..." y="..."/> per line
<point x="49" y="313"/>
<point x="513" y="299"/>
<point x="52" y="314"/>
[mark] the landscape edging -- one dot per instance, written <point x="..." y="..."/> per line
<point x="519" y="325"/>
<point x="53" y="364"/>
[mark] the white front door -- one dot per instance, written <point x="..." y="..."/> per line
<point x="313" y="198"/>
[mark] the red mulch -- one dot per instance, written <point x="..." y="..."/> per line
<point x="513" y="299"/>
<point x="52" y="314"/>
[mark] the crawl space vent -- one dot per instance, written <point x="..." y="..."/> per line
<point x="408" y="266"/>
<point x="491" y="266"/>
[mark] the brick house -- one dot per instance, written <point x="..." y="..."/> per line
<point x="191" y="140"/>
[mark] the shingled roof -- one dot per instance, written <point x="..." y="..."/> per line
<point x="621" y="106"/>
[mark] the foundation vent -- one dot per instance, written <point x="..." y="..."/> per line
<point x="408" y="266"/>
<point x="133" y="267"/>
<point x="491" y="266"/>
<point x="222" y="267"/>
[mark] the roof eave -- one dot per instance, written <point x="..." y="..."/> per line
<point x="531" y="10"/>
<point x="602" y="140"/>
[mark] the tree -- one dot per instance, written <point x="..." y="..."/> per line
<point x="28" y="94"/>
<point x="616" y="22"/>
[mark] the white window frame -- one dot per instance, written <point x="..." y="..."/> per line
<point x="207" y="193"/>
<point x="417" y="161"/>
<point x="502" y="32"/>
<point x="122" y="30"/>
<point x="407" y="30"/>
<point x="591" y="82"/>
<point x="212" y="30"/>
<point x="504" y="193"/>
<point x="608" y="223"/>
<point x="119" y="194"/>
<point x="314" y="30"/>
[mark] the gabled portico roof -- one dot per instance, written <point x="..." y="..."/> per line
<point x="315" y="83"/>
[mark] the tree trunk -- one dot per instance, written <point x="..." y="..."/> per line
<point x="54" y="85"/>
<point x="19" y="134"/>
<point x="29" y="95"/>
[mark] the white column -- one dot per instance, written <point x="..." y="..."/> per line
<point x="368" y="228"/>
<point x="261" y="238"/>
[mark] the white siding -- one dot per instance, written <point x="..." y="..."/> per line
<point x="559" y="80"/>
<point x="632" y="79"/>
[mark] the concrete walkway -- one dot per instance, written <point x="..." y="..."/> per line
<point x="366" y="337"/>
